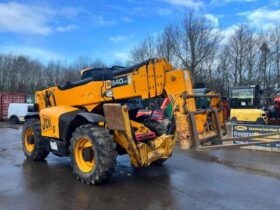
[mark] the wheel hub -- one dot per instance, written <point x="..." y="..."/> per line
<point x="30" y="140"/>
<point x="84" y="155"/>
<point x="87" y="154"/>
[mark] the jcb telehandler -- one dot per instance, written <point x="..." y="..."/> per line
<point x="92" y="120"/>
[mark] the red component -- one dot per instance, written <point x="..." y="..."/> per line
<point x="5" y="99"/>
<point x="145" y="136"/>
<point x="226" y="108"/>
<point x="165" y="103"/>
<point x="277" y="102"/>
<point x="156" y="115"/>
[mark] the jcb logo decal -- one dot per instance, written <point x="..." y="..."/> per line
<point x="120" y="81"/>
<point x="46" y="124"/>
<point x="241" y="128"/>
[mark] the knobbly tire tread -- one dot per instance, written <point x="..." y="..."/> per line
<point x="40" y="152"/>
<point x="216" y="142"/>
<point x="158" y="162"/>
<point x="260" y="121"/>
<point x="104" y="153"/>
<point x="234" y="120"/>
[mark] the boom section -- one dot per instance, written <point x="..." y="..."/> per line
<point x="152" y="79"/>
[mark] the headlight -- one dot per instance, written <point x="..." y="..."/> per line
<point x="109" y="93"/>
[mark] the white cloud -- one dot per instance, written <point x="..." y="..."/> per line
<point x="118" y="38"/>
<point x="19" y="18"/>
<point x="99" y="20"/>
<point x="163" y="11"/>
<point x="262" y="18"/>
<point x="186" y="3"/>
<point x="70" y="12"/>
<point x="214" y="19"/>
<point x="121" y="56"/>
<point x="228" y="32"/>
<point x="27" y="19"/>
<point x="66" y="28"/>
<point x="127" y="19"/>
<point x="240" y="1"/>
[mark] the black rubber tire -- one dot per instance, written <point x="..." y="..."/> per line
<point x="104" y="153"/>
<point x="14" y="120"/>
<point x="39" y="152"/>
<point x="260" y="121"/>
<point x="158" y="162"/>
<point x="216" y="142"/>
<point x="234" y="120"/>
<point x="156" y="127"/>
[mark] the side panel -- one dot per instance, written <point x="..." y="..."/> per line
<point x="151" y="80"/>
<point x="137" y="87"/>
<point x="60" y="121"/>
<point x="83" y="95"/>
<point x="49" y="119"/>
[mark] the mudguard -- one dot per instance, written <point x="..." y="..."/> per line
<point x="68" y="122"/>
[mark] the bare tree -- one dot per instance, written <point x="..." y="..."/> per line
<point x="19" y="73"/>
<point x="196" y="40"/>
<point x="98" y="63"/>
<point x="263" y="64"/>
<point x="223" y="76"/>
<point x="166" y="44"/>
<point x="275" y="53"/>
<point x="144" y="51"/>
<point x="241" y="48"/>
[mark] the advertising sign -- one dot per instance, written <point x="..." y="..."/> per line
<point x="243" y="130"/>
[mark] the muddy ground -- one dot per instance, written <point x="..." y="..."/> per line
<point x="230" y="179"/>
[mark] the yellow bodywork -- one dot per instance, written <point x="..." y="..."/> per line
<point x="155" y="79"/>
<point x="49" y="119"/>
<point x="248" y="115"/>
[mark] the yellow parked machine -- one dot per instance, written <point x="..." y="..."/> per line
<point x="92" y="121"/>
<point x="246" y="105"/>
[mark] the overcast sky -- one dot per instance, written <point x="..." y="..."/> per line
<point x="108" y="29"/>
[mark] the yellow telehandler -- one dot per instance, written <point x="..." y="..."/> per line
<point x="93" y="120"/>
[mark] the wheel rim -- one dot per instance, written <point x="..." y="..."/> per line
<point x="84" y="165"/>
<point x="29" y="133"/>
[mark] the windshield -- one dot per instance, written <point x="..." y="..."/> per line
<point x="243" y="98"/>
<point x="243" y="93"/>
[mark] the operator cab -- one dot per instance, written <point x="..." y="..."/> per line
<point x="110" y="72"/>
<point x="202" y="103"/>
<point x="246" y="97"/>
